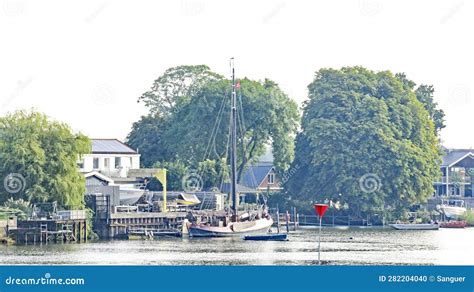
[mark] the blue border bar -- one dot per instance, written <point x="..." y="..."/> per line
<point x="239" y="278"/>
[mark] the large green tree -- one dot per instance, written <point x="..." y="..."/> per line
<point x="194" y="128"/>
<point x="38" y="160"/>
<point x="424" y="93"/>
<point x="366" y="141"/>
<point x="175" y="87"/>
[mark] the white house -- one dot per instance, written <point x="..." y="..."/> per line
<point x="110" y="157"/>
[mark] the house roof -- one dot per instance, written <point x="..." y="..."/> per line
<point x="454" y="156"/>
<point x="254" y="175"/>
<point x="225" y="188"/>
<point x="110" y="146"/>
<point x="99" y="176"/>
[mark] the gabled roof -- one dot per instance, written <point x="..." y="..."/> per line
<point x="225" y="188"/>
<point x="99" y="176"/>
<point x="254" y="175"/>
<point x="453" y="156"/>
<point x="110" y="146"/>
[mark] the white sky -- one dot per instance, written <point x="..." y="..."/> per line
<point x="87" y="62"/>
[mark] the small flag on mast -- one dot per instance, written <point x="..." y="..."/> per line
<point x="237" y="85"/>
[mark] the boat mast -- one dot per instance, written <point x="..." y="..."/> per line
<point x="233" y="150"/>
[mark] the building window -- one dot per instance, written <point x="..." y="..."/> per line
<point x="117" y="162"/>
<point x="106" y="162"/>
<point x="95" y="163"/>
<point x="271" y="178"/>
<point x="80" y="164"/>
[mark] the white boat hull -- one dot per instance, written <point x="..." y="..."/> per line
<point x="233" y="229"/>
<point x="453" y="211"/>
<point x="426" y="226"/>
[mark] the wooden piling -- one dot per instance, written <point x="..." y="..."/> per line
<point x="294" y="219"/>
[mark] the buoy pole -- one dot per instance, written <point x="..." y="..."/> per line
<point x="320" y="209"/>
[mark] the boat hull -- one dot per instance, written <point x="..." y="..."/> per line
<point x="235" y="229"/>
<point x="267" y="237"/>
<point x="415" y="226"/>
<point x="452" y="211"/>
<point x="453" y="224"/>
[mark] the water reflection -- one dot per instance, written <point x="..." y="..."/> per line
<point x="366" y="246"/>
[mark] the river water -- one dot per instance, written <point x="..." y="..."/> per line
<point x="349" y="246"/>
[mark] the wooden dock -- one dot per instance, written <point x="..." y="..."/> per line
<point x="121" y="223"/>
<point x="44" y="231"/>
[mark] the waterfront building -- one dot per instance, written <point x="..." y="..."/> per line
<point x="457" y="170"/>
<point x="111" y="158"/>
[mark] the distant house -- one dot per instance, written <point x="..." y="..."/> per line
<point x="261" y="177"/>
<point x="111" y="158"/>
<point x="456" y="179"/>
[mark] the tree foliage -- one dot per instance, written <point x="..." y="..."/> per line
<point x="147" y="137"/>
<point x="366" y="141"/>
<point x="424" y="93"/>
<point x="193" y="126"/>
<point x="42" y="156"/>
<point x="175" y="87"/>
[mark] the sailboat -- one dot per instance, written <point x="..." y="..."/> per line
<point x="233" y="223"/>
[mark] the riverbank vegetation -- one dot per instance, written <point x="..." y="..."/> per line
<point x="469" y="217"/>
<point x="366" y="141"/>
<point x="39" y="160"/>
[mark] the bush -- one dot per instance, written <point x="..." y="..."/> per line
<point x="20" y="204"/>
<point x="469" y="217"/>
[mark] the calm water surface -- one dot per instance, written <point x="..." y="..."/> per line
<point x="366" y="246"/>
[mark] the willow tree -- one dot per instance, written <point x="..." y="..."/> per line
<point x="366" y="141"/>
<point x="38" y="160"/>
